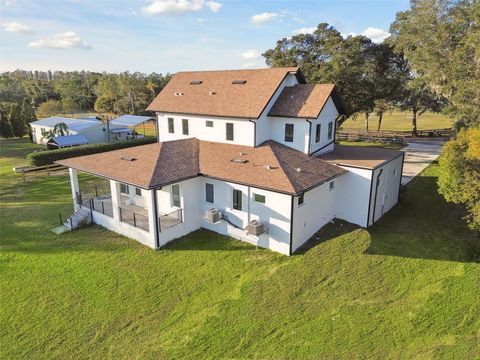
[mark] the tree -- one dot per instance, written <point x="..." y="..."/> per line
<point x="49" y="108"/>
<point x="5" y="126"/>
<point x="441" y="41"/>
<point x="459" y="179"/>
<point x="60" y="129"/>
<point x="16" y="121"/>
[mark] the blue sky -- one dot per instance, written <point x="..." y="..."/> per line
<point x="170" y="35"/>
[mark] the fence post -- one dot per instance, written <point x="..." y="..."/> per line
<point x="134" y="220"/>
<point x="48" y="170"/>
<point x="120" y="213"/>
<point x="60" y="216"/>
<point x="96" y="191"/>
<point x="91" y="209"/>
<point x="103" y="209"/>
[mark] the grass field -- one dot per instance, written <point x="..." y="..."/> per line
<point x="404" y="289"/>
<point x="397" y="120"/>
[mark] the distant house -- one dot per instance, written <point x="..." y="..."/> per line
<point x="92" y="129"/>
<point x="246" y="153"/>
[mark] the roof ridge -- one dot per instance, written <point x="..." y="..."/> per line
<point x="231" y="70"/>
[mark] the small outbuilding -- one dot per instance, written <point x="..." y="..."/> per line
<point x="59" y="142"/>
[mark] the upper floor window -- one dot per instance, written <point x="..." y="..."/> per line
<point x="330" y="130"/>
<point x="176" y="195"/>
<point x="138" y="191"/>
<point x="124" y="189"/>
<point x="209" y="197"/>
<point x="318" y="130"/>
<point x="331" y="185"/>
<point x="288" y="132"/>
<point x="171" y="127"/>
<point x="237" y="199"/>
<point x="301" y="199"/>
<point x="185" y="126"/>
<point x="209" y="123"/>
<point x="229" y="128"/>
<point x="259" y="198"/>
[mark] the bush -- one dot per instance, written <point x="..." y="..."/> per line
<point x="43" y="158"/>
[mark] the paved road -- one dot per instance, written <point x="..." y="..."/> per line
<point x="419" y="153"/>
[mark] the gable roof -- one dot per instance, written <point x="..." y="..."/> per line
<point x="302" y="101"/>
<point x="73" y="124"/>
<point x="131" y="120"/>
<point x="271" y="166"/>
<point x="213" y="93"/>
<point x="69" y="140"/>
<point x="365" y="157"/>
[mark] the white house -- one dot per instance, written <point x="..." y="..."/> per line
<point x="92" y="130"/>
<point x="246" y="153"/>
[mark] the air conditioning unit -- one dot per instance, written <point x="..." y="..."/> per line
<point x="256" y="227"/>
<point x="212" y="216"/>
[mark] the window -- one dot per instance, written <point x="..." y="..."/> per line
<point x="394" y="172"/>
<point x="209" y="123"/>
<point x="185" y="126"/>
<point x="124" y="189"/>
<point x="171" y="127"/>
<point x="237" y="200"/>
<point x="301" y="199"/>
<point x="259" y="198"/>
<point x="229" y="127"/>
<point x="330" y="130"/>
<point x="288" y="132"/>
<point x="34" y="129"/>
<point x="318" y="130"/>
<point x="209" y="193"/>
<point x="331" y="186"/>
<point x="176" y="195"/>
<point x="138" y="191"/>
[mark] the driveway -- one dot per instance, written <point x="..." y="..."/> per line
<point x="419" y="153"/>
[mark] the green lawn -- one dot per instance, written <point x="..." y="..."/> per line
<point x="405" y="288"/>
<point x="372" y="144"/>
<point x="396" y="120"/>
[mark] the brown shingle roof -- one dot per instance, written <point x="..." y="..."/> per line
<point x="360" y="156"/>
<point x="302" y="101"/>
<point x="290" y="171"/>
<point x="246" y="100"/>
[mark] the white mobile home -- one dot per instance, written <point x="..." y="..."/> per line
<point x="245" y="153"/>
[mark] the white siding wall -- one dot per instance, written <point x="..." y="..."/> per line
<point x="328" y="114"/>
<point x="317" y="210"/>
<point x="386" y="194"/>
<point x="275" y="213"/>
<point x="94" y="134"/>
<point x="353" y="190"/>
<point x="243" y="129"/>
<point x="300" y="132"/>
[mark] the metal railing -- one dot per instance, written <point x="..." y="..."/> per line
<point x="103" y="205"/>
<point x="166" y="221"/>
<point x="133" y="218"/>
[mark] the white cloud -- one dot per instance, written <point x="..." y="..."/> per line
<point x="201" y="20"/>
<point x="214" y="6"/>
<point x="263" y="18"/>
<point x="65" y="40"/>
<point x="375" y="34"/>
<point x="172" y="7"/>
<point x="18" y="28"/>
<point x="304" y="30"/>
<point x="251" y="54"/>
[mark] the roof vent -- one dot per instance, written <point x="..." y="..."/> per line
<point x="239" y="82"/>
<point x="129" y="158"/>
<point x="299" y="169"/>
<point x="178" y="94"/>
<point x="239" y="161"/>
<point x="269" y="167"/>
<point x="242" y="153"/>
<point x="212" y="92"/>
<point x="196" y="82"/>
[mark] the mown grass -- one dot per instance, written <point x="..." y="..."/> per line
<point x="372" y="144"/>
<point x="406" y="288"/>
<point x="401" y="120"/>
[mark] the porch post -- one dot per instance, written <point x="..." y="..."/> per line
<point x="152" y="217"/>
<point x="74" y="186"/>
<point x="114" y="193"/>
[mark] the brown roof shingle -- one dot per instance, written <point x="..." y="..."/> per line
<point x="360" y="156"/>
<point x="271" y="165"/>
<point x="302" y="101"/>
<point x="246" y="100"/>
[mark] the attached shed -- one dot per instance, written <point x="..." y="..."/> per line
<point x="59" y="142"/>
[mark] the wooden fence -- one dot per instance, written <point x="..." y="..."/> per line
<point x="389" y="136"/>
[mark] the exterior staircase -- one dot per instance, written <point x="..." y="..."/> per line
<point x="79" y="218"/>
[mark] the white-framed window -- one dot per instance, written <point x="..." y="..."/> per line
<point x="301" y="200"/>
<point x="331" y="185"/>
<point x="229" y="130"/>
<point x="171" y="126"/>
<point x="175" y="195"/>
<point x="209" y="193"/>
<point x="330" y="130"/>
<point x="34" y="129"/>
<point x="318" y="130"/>
<point x="259" y="198"/>
<point x="208" y="123"/>
<point x="185" y="126"/>
<point x="237" y="199"/>
<point x="289" y="132"/>
<point x="138" y="191"/>
<point x="124" y="189"/>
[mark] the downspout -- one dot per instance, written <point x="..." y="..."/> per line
<point x="254" y="132"/>
<point x="291" y="225"/>
<point x="248" y="204"/>
<point x="375" y="199"/>
<point x="309" y="136"/>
